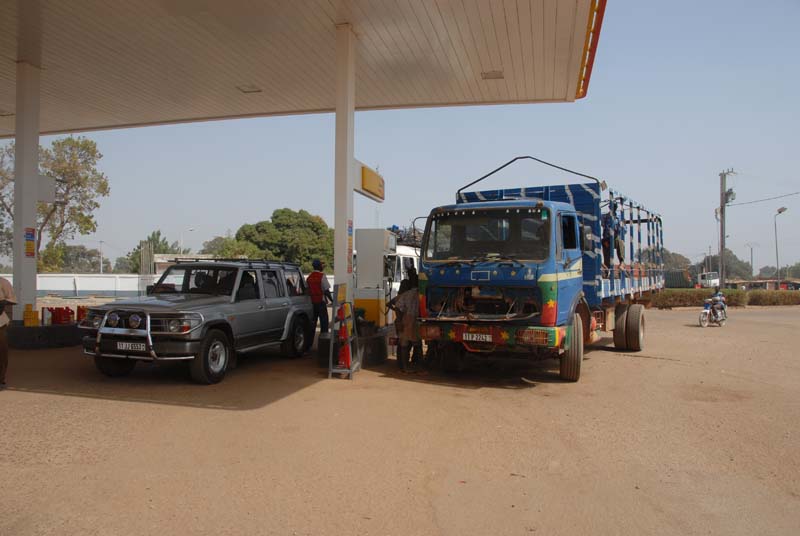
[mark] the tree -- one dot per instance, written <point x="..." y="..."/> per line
<point x="72" y="162"/>
<point x="160" y="245"/>
<point x="766" y="272"/>
<point x="123" y="266"/>
<point x="735" y="268"/>
<point x="229" y="247"/>
<point x="291" y="236"/>
<point x="71" y="259"/>
<point x="675" y="261"/>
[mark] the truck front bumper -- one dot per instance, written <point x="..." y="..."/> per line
<point x="492" y="336"/>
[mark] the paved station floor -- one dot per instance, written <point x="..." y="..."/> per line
<point x="698" y="434"/>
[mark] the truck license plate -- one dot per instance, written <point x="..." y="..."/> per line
<point x="478" y="337"/>
<point x="131" y="346"/>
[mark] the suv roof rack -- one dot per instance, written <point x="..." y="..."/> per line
<point x="250" y="262"/>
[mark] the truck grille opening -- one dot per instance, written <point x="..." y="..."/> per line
<point x="487" y="302"/>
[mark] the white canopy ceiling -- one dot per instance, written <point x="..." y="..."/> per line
<point x="118" y="63"/>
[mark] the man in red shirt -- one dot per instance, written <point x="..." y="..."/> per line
<point x="320" y="290"/>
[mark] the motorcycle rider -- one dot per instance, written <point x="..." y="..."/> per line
<point x="720" y="304"/>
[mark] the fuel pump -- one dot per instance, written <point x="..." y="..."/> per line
<point x="377" y="253"/>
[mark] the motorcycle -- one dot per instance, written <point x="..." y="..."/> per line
<point x="714" y="312"/>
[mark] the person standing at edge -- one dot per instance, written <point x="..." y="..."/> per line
<point x="320" y="290"/>
<point x="7" y="299"/>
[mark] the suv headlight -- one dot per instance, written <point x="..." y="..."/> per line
<point x="93" y="319"/>
<point x="175" y="324"/>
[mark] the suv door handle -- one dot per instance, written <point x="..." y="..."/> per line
<point x="285" y="303"/>
<point x="260" y="307"/>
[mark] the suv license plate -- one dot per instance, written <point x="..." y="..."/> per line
<point x="132" y="346"/>
<point x="478" y="337"/>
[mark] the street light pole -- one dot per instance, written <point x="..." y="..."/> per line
<point x="751" y="245"/>
<point x="180" y="243"/>
<point x="101" y="256"/>
<point x="777" y="259"/>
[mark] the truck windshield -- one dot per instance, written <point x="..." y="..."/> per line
<point x="196" y="280"/>
<point x="521" y="233"/>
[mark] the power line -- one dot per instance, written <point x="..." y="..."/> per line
<point x="762" y="200"/>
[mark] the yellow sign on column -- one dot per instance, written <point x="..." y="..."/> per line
<point x="370" y="183"/>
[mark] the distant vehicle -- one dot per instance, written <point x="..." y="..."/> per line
<point x="203" y="313"/>
<point x="708" y="279"/>
<point x="518" y="273"/>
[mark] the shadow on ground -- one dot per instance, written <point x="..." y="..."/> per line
<point x="482" y="375"/>
<point x="259" y="379"/>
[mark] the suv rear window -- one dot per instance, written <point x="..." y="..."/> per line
<point x="294" y="283"/>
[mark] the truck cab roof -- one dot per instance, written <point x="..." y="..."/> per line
<point x="512" y="203"/>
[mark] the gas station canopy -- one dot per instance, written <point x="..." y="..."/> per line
<point x="111" y="64"/>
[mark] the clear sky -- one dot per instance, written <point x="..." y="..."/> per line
<point x="680" y="91"/>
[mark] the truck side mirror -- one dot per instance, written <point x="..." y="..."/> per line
<point x="587" y="244"/>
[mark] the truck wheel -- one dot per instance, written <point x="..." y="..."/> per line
<point x="295" y="343"/>
<point x="570" y="366"/>
<point x="634" y="327"/>
<point x="210" y="365"/>
<point x="114" y="366"/>
<point x="620" y="325"/>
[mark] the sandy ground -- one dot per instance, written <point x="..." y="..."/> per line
<point x="698" y="434"/>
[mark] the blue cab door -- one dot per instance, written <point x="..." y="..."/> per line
<point x="569" y="265"/>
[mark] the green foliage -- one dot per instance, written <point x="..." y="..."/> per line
<point x="230" y="247"/>
<point x="675" y="261"/>
<point x="774" y="297"/>
<point x="72" y="161"/>
<point x="71" y="259"/>
<point x="160" y="245"/>
<point x="123" y="266"/>
<point x="693" y="297"/>
<point x="766" y="272"/>
<point x="291" y="236"/>
<point x="735" y="268"/>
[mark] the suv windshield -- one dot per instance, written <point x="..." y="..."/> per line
<point x="196" y="280"/>
<point x="521" y="233"/>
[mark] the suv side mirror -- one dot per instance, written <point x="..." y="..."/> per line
<point x="149" y="289"/>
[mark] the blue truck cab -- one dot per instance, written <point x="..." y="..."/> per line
<point x="521" y="273"/>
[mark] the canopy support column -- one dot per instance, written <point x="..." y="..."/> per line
<point x="26" y="185"/>
<point x="344" y="156"/>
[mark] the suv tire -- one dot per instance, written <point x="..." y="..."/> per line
<point x="114" y="367"/>
<point x="210" y="365"/>
<point x="295" y="344"/>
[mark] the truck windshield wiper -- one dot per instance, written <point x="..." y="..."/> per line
<point x="455" y="263"/>
<point x="494" y="258"/>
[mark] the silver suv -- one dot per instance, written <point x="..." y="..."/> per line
<point x="203" y="313"/>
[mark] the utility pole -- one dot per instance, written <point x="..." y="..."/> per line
<point x="752" y="245"/>
<point x="101" y="256"/>
<point x="725" y="196"/>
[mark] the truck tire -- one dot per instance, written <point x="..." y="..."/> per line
<point x="620" y="327"/>
<point x="634" y="327"/>
<point x="114" y="367"/>
<point x="211" y="364"/>
<point x="295" y="343"/>
<point x="570" y="366"/>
